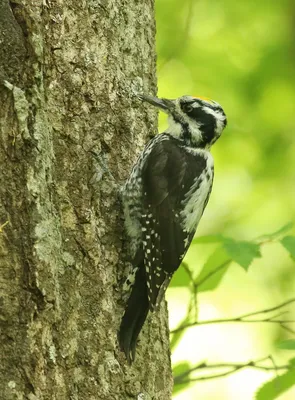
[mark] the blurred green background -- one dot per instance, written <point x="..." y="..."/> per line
<point x="241" y="54"/>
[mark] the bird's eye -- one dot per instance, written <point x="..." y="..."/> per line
<point x="188" y="108"/>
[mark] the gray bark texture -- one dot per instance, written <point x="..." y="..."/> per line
<point x="71" y="128"/>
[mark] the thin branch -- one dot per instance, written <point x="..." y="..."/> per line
<point x="193" y="301"/>
<point x="287" y="328"/>
<point x="274" y="364"/>
<point x="268" y="310"/>
<point x="279" y="314"/>
<point x="233" y="367"/>
<point x="204" y="365"/>
<point x="245" y="318"/>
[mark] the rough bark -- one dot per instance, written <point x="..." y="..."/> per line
<point x="71" y="129"/>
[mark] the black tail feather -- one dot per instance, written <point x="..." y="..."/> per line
<point x="135" y="314"/>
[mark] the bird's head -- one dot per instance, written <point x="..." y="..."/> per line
<point x="196" y="120"/>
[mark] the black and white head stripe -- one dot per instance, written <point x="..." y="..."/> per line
<point x="198" y="121"/>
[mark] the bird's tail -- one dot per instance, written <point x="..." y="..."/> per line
<point x="135" y="314"/>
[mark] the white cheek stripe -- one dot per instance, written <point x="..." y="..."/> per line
<point x="219" y="118"/>
<point x="175" y="128"/>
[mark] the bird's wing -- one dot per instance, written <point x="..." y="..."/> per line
<point x="169" y="174"/>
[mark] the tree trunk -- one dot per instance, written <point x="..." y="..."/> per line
<point x="71" y="128"/>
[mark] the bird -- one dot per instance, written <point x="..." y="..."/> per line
<point x="163" y="201"/>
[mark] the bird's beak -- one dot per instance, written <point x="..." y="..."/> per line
<point x="163" y="104"/>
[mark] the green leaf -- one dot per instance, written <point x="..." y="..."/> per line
<point x="279" y="232"/>
<point x="286" y="344"/>
<point x="208" y="239"/>
<point x="180" y="278"/>
<point x="289" y="243"/>
<point x="208" y="279"/>
<point x="242" y="252"/>
<point x="275" y="387"/>
<point x="179" y="369"/>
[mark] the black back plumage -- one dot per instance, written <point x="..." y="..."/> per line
<point x="168" y="173"/>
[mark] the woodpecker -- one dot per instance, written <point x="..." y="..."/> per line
<point x="163" y="201"/>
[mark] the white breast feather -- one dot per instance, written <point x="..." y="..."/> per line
<point x="195" y="198"/>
